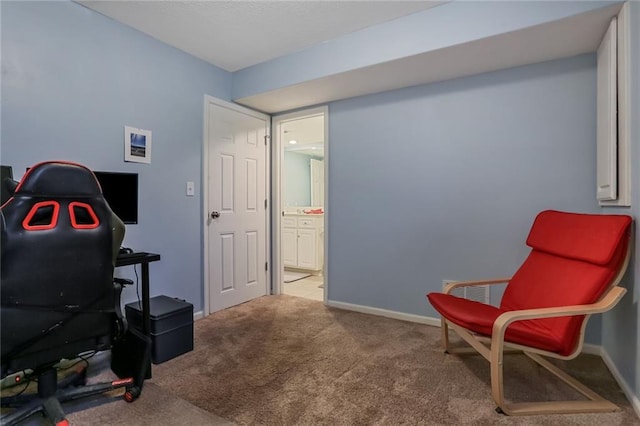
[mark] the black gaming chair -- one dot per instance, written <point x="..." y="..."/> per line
<point x="59" y="242"/>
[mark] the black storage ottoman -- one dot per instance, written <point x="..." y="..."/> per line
<point x="171" y="326"/>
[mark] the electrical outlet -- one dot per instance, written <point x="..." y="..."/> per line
<point x="191" y="189"/>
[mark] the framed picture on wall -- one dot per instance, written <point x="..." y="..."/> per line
<point x="137" y="145"/>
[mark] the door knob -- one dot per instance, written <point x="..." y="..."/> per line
<point x="215" y="215"/>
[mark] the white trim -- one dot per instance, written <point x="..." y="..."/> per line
<point x="385" y="313"/>
<point x="205" y="189"/>
<point x="204" y="184"/>
<point x="277" y="270"/>
<point x="198" y="315"/>
<point x="624" y="106"/>
<point x="277" y="159"/>
<point x="325" y="237"/>
<point x="633" y="399"/>
<point x="591" y="349"/>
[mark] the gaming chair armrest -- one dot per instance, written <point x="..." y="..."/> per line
<point x="121" y="320"/>
<point x="450" y="286"/>
<point x="122" y="281"/>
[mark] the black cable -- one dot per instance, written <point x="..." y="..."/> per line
<point x="135" y="271"/>
<point x="83" y="358"/>
<point x="28" y="379"/>
<point x="73" y="314"/>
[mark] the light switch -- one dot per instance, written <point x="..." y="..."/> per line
<point x="190" y="189"/>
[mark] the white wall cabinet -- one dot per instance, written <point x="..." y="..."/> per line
<point x="290" y="246"/>
<point x="613" y="114"/>
<point x="607" y="120"/>
<point x="302" y="242"/>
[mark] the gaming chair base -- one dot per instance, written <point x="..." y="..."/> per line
<point x="51" y="394"/>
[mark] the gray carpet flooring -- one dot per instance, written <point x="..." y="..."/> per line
<point x="282" y="360"/>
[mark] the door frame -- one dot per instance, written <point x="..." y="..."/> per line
<point x="205" y="190"/>
<point x="277" y="196"/>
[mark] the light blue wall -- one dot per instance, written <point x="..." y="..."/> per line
<point x="297" y="179"/>
<point x="71" y="80"/>
<point x="440" y="27"/>
<point x="443" y="181"/>
<point x="621" y="327"/>
<point x="426" y="183"/>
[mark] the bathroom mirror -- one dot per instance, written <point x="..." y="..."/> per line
<point x="303" y="165"/>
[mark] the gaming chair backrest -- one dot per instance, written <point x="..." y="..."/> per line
<point x="58" y="254"/>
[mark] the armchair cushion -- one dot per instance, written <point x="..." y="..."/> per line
<point x="584" y="237"/>
<point x="479" y="318"/>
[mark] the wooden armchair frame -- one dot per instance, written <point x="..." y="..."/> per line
<point x="493" y="349"/>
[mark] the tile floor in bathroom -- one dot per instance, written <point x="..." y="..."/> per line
<point x="306" y="287"/>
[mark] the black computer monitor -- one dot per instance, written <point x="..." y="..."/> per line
<point x="6" y="183"/>
<point x="121" y="192"/>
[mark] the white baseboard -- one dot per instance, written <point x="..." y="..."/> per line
<point x="385" y="313"/>
<point x="587" y="348"/>
<point x="198" y="315"/>
<point x="602" y="353"/>
<point x="633" y="399"/>
<point x="591" y="349"/>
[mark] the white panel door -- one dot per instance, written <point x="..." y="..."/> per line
<point x="236" y="206"/>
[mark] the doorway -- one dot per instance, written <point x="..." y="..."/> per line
<point x="299" y="204"/>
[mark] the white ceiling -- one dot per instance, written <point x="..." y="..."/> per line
<point x="237" y="34"/>
<point x="558" y="39"/>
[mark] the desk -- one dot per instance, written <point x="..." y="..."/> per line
<point x="131" y="358"/>
<point x="141" y="258"/>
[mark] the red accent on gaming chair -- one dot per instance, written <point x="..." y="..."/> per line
<point x="43" y="215"/>
<point x="573" y="270"/>
<point x="82" y="216"/>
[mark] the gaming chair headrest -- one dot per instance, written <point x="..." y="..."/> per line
<point x="58" y="179"/>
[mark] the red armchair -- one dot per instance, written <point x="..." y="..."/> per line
<point x="572" y="271"/>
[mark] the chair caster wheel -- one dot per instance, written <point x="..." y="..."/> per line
<point x="132" y="394"/>
<point x="499" y="410"/>
<point x="80" y="381"/>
